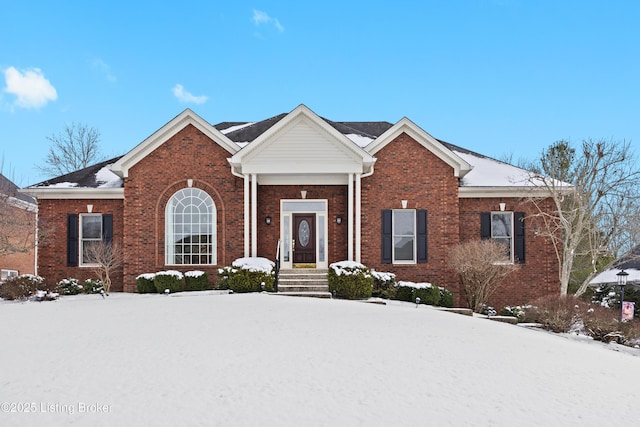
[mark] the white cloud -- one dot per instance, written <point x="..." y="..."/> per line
<point x="30" y="87"/>
<point x="104" y="68"/>
<point x="260" y="17"/>
<point x="184" y="96"/>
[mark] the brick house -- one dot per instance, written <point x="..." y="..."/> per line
<point x="197" y="196"/>
<point x="17" y="231"/>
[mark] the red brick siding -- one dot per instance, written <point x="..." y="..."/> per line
<point x="538" y="275"/>
<point x="52" y="250"/>
<point x="405" y="170"/>
<point x="151" y="182"/>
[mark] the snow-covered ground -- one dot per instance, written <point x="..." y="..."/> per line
<point x="214" y="359"/>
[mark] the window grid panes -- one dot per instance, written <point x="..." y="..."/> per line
<point x="90" y="235"/>
<point x="502" y="231"/>
<point x="190" y="228"/>
<point x="404" y="236"/>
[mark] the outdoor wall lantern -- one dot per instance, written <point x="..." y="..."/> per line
<point x="622" y="282"/>
<point x="338" y="219"/>
<point x="268" y="220"/>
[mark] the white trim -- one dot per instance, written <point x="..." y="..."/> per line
<point x="254" y="216"/>
<point x="415" y="237"/>
<point x="511" y="192"/>
<point x="81" y="239"/>
<point x="350" y="217"/>
<point x="358" y="221"/>
<point x="74" y="193"/>
<point x="460" y="166"/>
<point x="162" y="135"/>
<point x="246" y="215"/>
<point x="325" y="224"/>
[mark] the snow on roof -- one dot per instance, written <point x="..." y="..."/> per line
<point x="107" y="179"/>
<point x="237" y="127"/>
<point x="488" y="172"/>
<point x="65" y="184"/>
<point x="361" y="141"/>
<point x="609" y="277"/>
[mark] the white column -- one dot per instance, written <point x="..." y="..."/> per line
<point x="246" y="215"/>
<point x="350" y="218"/>
<point x="358" y="219"/>
<point x="254" y="215"/>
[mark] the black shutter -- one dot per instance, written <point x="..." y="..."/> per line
<point x="485" y="225"/>
<point x="387" y="238"/>
<point x="72" y="240"/>
<point x="107" y="228"/>
<point x="518" y="227"/>
<point x="421" y="234"/>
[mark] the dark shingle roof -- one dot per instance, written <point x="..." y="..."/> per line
<point x="83" y="178"/>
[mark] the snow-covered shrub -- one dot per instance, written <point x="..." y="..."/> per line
<point x="196" y="280"/>
<point x="350" y="280"/>
<point x="446" y="297"/>
<point x="93" y="286"/>
<point x="556" y="313"/>
<point x="69" y="286"/>
<point x="248" y="275"/>
<point x="169" y="279"/>
<point x="429" y="294"/>
<point x="516" y="311"/>
<point x="384" y="285"/>
<point x="22" y="287"/>
<point x="145" y="285"/>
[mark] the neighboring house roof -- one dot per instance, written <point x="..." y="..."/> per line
<point x="14" y="197"/>
<point x="480" y="176"/>
<point x="629" y="263"/>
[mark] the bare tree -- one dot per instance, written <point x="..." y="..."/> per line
<point x="107" y="257"/>
<point x="77" y="147"/>
<point x="481" y="266"/>
<point x="597" y="215"/>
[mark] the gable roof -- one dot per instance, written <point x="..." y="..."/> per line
<point x="460" y="166"/>
<point x="162" y="135"/>
<point x="298" y="142"/>
<point x="11" y="195"/>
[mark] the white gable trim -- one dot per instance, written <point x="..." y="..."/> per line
<point x="459" y="165"/>
<point x="362" y="160"/>
<point x="162" y="135"/>
<point x="43" y="193"/>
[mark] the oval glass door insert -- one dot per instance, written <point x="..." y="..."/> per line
<point x="303" y="233"/>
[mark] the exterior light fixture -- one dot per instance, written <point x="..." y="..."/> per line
<point x="338" y="219"/>
<point x="622" y="282"/>
<point x="268" y="220"/>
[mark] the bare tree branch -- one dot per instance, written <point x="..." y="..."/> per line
<point x="76" y="147"/>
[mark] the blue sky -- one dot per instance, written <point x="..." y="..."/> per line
<point x="501" y="77"/>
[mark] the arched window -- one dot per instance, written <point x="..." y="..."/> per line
<point x="190" y="228"/>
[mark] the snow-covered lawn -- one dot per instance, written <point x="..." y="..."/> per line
<point x="210" y="359"/>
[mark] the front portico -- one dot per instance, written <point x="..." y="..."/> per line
<point x="304" y="151"/>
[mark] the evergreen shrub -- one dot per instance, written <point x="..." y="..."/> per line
<point x="196" y="281"/>
<point x="69" y="286"/>
<point x="248" y="275"/>
<point x="145" y="284"/>
<point x="384" y="285"/>
<point x="350" y="280"/>
<point x="169" y="279"/>
<point x="93" y="286"/>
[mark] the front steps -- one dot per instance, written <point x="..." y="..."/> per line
<point x="304" y="282"/>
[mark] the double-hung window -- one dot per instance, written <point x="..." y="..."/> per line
<point x="506" y="228"/>
<point x="90" y="235"/>
<point x="404" y="236"/>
